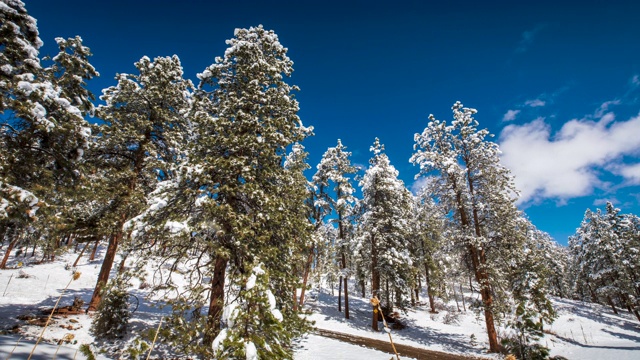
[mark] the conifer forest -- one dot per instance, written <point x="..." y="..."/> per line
<point x="201" y="193"/>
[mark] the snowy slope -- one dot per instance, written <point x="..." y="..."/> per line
<point x="582" y="331"/>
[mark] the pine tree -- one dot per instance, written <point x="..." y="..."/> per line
<point x="474" y="185"/>
<point x="604" y="258"/>
<point x="428" y="227"/>
<point x="111" y="320"/>
<point x="384" y="227"/>
<point x="43" y="134"/>
<point x="253" y="324"/>
<point x="333" y="172"/>
<point x="236" y="199"/>
<point x="139" y="142"/>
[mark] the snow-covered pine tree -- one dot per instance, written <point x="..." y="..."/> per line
<point x="43" y="133"/>
<point x="603" y="251"/>
<point x="142" y="135"/>
<point x="256" y="120"/>
<point x="384" y="227"/>
<point x="253" y="324"/>
<point x="428" y="225"/>
<point x="235" y="200"/>
<point x="528" y="278"/>
<point x="473" y="184"/>
<point x="296" y="164"/>
<point x="333" y="172"/>
<point x="111" y="320"/>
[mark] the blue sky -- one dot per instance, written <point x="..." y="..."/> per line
<point x="558" y="84"/>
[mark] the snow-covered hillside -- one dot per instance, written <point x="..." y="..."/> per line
<point x="582" y="331"/>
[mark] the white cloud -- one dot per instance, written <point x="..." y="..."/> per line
<point x="510" y="115"/>
<point x="568" y="163"/>
<point x="602" y="202"/>
<point x="420" y="183"/>
<point x="630" y="172"/>
<point x="635" y="80"/>
<point x="535" y="103"/>
<point x="604" y="108"/>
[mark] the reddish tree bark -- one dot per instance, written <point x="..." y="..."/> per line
<point x="75" y="263"/>
<point x="105" y="270"/>
<point x="216" y="300"/>
<point x="3" y="265"/>
<point x="305" y="277"/>
<point x="375" y="282"/>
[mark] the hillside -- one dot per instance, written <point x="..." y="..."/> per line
<point x="582" y="331"/>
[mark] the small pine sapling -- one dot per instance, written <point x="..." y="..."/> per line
<point x="112" y="317"/>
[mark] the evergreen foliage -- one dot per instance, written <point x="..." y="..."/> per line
<point x="237" y="197"/>
<point x="209" y="181"/>
<point x="384" y="226"/>
<point x="605" y="261"/>
<point x="111" y="320"/>
<point x="471" y="183"/>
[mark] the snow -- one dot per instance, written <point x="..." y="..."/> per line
<point x="582" y="330"/>
<point x="251" y="281"/>
<point x="217" y="342"/>
<point x="175" y="227"/>
<point x="314" y="347"/>
<point x="250" y="351"/>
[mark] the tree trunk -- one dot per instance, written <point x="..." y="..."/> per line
<point x="295" y="299"/>
<point x="216" y="300"/>
<point x="3" y="264"/>
<point x="305" y="277"/>
<point x="105" y="270"/>
<point x="594" y="297"/>
<point x="375" y="282"/>
<point x="95" y="249"/>
<point x="75" y="263"/>
<point x="478" y="260"/>
<point x="427" y="281"/>
<point x="122" y="262"/>
<point x="363" y="288"/>
<point x="346" y="288"/>
<point x="487" y="298"/>
<point x="386" y="295"/>
<point x="628" y="301"/>
<point x="455" y="297"/>
<point x="464" y="306"/>
<point x="340" y="294"/>
<point x="613" y="307"/>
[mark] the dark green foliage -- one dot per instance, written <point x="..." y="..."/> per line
<point x="111" y="320"/>
<point x="85" y="350"/>
<point x="528" y="329"/>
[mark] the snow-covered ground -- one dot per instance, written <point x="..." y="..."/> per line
<point x="582" y="330"/>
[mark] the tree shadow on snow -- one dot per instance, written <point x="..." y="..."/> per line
<point x="360" y="319"/>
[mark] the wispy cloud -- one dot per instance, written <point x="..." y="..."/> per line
<point x="635" y="80"/>
<point x="420" y="183"/>
<point x="535" y="103"/>
<point x="527" y="38"/>
<point x="601" y="202"/>
<point x="570" y="162"/>
<point x="602" y="110"/>
<point x="629" y="172"/>
<point x="510" y="115"/>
